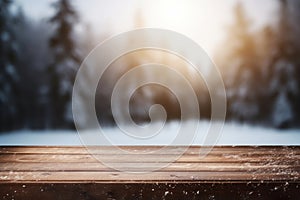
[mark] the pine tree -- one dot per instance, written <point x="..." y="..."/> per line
<point x="283" y="88"/>
<point x="266" y="45"/>
<point x="240" y="69"/>
<point x="9" y="77"/>
<point x="295" y="15"/>
<point x="33" y="61"/>
<point x="66" y="62"/>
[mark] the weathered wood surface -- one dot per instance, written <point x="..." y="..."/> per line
<point x="225" y="173"/>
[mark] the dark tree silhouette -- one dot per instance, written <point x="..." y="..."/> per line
<point x="32" y="37"/>
<point x="283" y="87"/>
<point x="65" y="63"/>
<point x="9" y="75"/>
<point x="295" y="12"/>
<point x="240" y="69"/>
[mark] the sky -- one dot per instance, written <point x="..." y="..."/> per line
<point x="204" y="21"/>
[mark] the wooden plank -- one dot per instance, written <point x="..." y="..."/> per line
<point x="110" y="150"/>
<point x="116" y="176"/>
<point x="136" y="158"/>
<point x="168" y="191"/>
<point x="226" y="167"/>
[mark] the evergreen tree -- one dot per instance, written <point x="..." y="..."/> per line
<point x="33" y="63"/>
<point x="9" y="76"/>
<point x="266" y="46"/>
<point x="283" y="87"/>
<point x="240" y="69"/>
<point x="295" y="15"/>
<point x="66" y="62"/>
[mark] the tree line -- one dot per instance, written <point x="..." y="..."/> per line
<point x="261" y="68"/>
<point x="39" y="61"/>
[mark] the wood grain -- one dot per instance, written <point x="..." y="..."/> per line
<point x="225" y="173"/>
<point x="76" y="164"/>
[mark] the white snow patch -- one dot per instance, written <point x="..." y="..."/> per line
<point x="232" y="134"/>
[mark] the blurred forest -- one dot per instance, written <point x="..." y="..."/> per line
<point x="39" y="61"/>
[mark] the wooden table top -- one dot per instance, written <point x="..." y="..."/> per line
<point x="77" y="165"/>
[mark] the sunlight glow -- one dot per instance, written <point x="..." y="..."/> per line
<point x="202" y="20"/>
<point x="167" y="12"/>
<point x="199" y="20"/>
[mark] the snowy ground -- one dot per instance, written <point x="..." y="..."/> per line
<point x="232" y="134"/>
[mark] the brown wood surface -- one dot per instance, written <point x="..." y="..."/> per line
<point x="75" y="164"/>
<point x="260" y="172"/>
